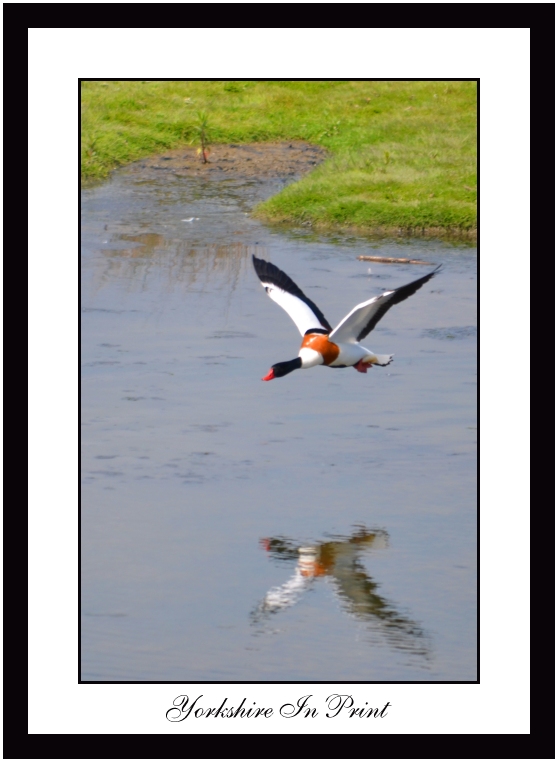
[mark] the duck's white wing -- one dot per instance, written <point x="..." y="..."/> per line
<point x="287" y="294"/>
<point x="364" y="317"/>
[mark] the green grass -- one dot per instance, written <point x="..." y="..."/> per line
<point x="402" y="154"/>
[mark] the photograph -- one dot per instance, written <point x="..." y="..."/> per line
<point x="245" y="515"/>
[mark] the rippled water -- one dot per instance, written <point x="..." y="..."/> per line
<point x="319" y="527"/>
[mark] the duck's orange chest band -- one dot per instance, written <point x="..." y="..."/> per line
<point x="320" y="343"/>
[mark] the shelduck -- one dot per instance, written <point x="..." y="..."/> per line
<point x="338" y="561"/>
<point x="321" y="344"/>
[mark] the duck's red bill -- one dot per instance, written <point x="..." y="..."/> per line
<point x="269" y="376"/>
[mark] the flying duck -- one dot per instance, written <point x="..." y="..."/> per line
<point x="321" y="344"/>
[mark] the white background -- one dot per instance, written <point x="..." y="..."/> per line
<point x="500" y="57"/>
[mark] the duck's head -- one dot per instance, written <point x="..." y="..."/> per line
<point x="282" y="368"/>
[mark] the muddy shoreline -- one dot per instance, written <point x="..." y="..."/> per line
<point x="285" y="160"/>
<point x="251" y="160"/>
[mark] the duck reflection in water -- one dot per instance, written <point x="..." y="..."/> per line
<point x="337" y="560"/>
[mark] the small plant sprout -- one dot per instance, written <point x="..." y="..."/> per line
<point x="202" y="130"/>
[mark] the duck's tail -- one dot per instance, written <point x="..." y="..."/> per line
<point x="383" y="359"/>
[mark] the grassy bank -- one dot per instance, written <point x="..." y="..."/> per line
<point x="402" y="154"/>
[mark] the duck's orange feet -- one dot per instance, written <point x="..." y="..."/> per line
<point x="362" y="367"/>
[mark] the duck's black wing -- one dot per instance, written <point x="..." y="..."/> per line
<point x="287" y="294"/>
<point x="364" y="317"/>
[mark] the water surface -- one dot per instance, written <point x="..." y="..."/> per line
<point x="319" y="527"/>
